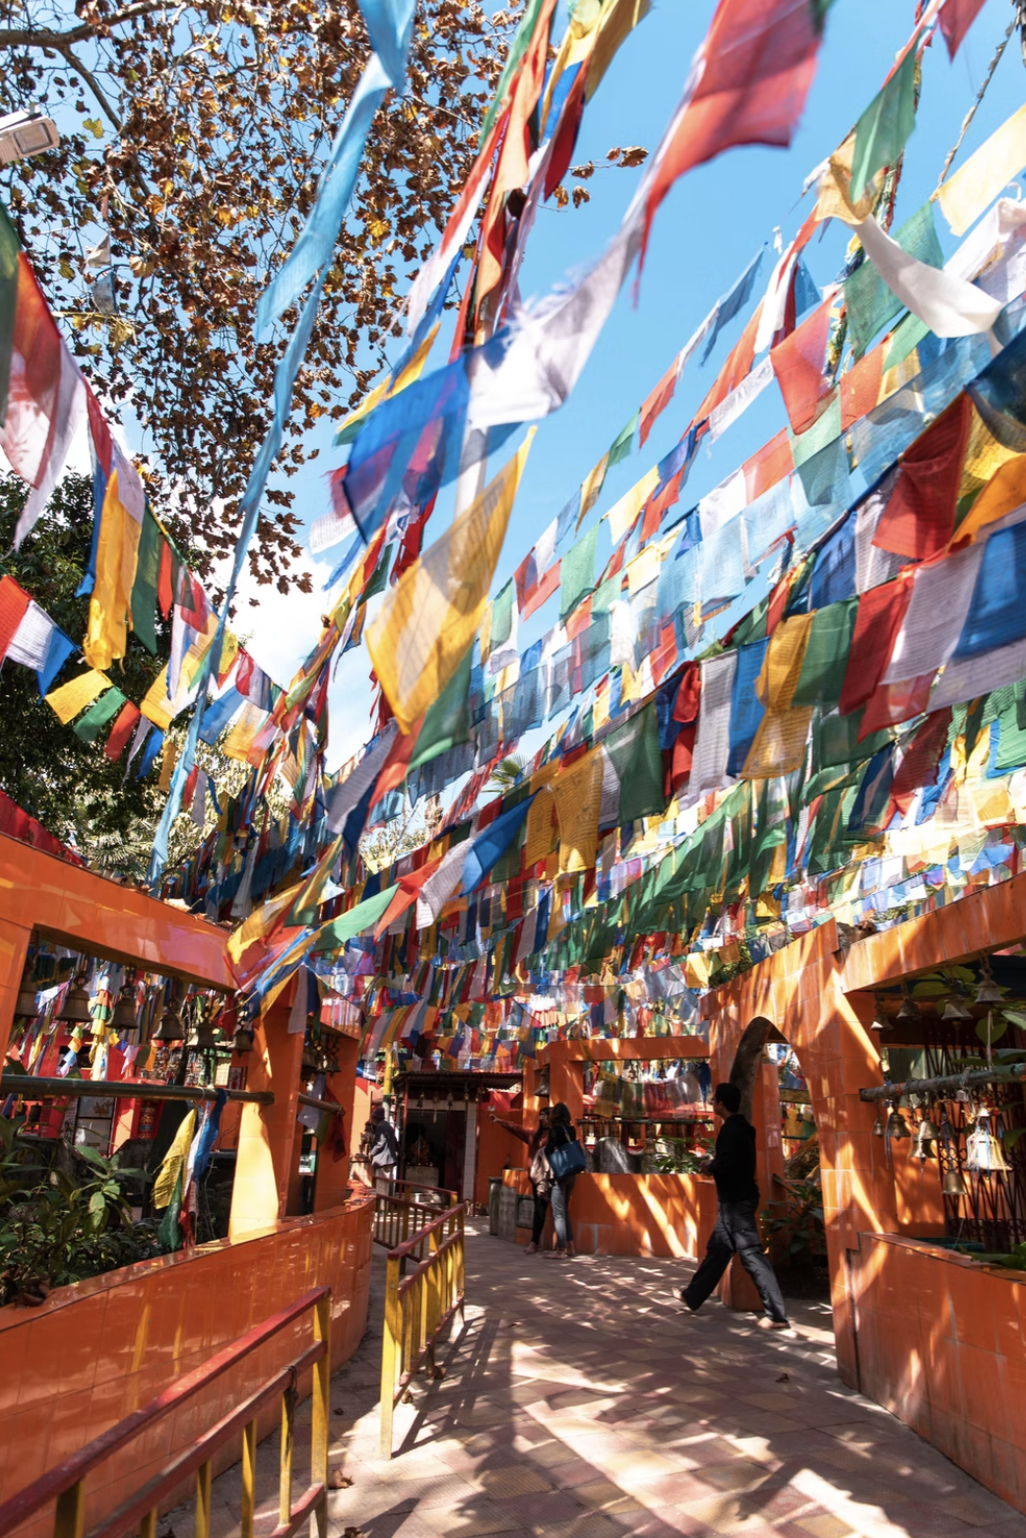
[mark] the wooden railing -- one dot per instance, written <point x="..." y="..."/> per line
<point x="404" y="1208"/>
<point x="63" y="1487"/>
<point x="419" y="1306"/>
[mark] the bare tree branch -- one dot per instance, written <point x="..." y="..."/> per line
<point x="91" y="81"/>
<point x="31" y="37"/>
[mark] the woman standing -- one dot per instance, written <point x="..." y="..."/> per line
<point x="537" y="1168"/>
<point x="563" y="1134"/>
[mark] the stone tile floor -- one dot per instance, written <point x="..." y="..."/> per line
<point x="579" y="1401"/>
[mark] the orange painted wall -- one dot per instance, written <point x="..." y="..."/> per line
<point x="497" y="1148"/>
<point x="637" y="1214"/>
<point x="95" y="1352"/>
<point x="942" y="1344"/>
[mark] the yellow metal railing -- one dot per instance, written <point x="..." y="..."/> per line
<point x="419" y="1306"/>
<point x="396" y="1217"/>
<point x="65" y="1485"/>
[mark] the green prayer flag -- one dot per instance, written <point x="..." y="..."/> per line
<point x="169" y="1233"/>
<point x="908" y="333"/>
<point x="517" y="49"/>
<point x="9" y="248"/>
<point x="102" y="710"/>
<point x="334" y="935"/>
<point x="379" y="576"/>
<point x="633" y="749"/>
<point x="826" y="655"/>
<point x="1011" y="750"/>
<point x="622" y="445"/>
<point x="884" y="127"/>
<point x="502" y="617"/>
<point x="871" y="304"/>
<point x="447" y="721"/>
<point x="835" y="741"/>
<point x="606" y="594"/>
<point x="144" y="588"/>
<point x="577" y="572"/>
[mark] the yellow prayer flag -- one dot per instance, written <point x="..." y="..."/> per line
<point x="591" y="488"/>
<point x="117" y="553"/>
<point x="619" y="18"/>
<point x="578" y="42"/>
<point x="783" y="662"/>
<point x="578" y="796"/>
<point x="167" y="765"/>
<point x="247" y="723"/>
<point x="432" y="615"/>
<point x="975" y="185"/>
<point x="1003" y="494"/>
<point x="70" y="698"/>
<point x="833" y="200"/>
<point x="779" y="744"/>
<point x="624" y="514"/>
<point x="156" y="706"/>
<point x="174" y="1161"/>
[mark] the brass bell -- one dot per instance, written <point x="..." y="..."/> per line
<point x="203" y="1037"/>
<point x="25" y="1009"/>
<point x="242" y="1041"/>
<point x="170" y="1028"/>
<point x="897" y="1127"/>
<point x="988" y="991"/>
<point x="952" y="1185"/>
<point x="125" y="1017"/>
<point x="927" y="1131"/>
<point x="955" y="1012"/>
<point x="909" y="1009"/>
<point x="878" y="1127"/>
<point x="76" y="1005"/>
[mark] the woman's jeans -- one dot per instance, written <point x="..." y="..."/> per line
<point x="561" y="1211"/>
<point x="541" y="1207"/>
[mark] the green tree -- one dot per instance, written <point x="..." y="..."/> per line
<point x="70" y="786"/>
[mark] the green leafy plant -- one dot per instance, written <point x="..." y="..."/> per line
<point x="673" y="1156"/>
<point x="63" y="1229"/>
<point x="1014" y="1261"/>
<point x="797" y="1221"/>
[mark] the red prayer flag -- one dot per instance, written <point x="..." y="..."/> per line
<point x="121" y="730"/>
<point x="921" y="759"/>
<point x="919" y="518"/>
<point x="659" y="399"/>
<point x="747" y="85"/>
<point x="891" y="703"/>
<point x="769" y="465"/>
<point x="798" y="364"/>
<point x="14" y="602"/>
<point x="860" y="388"/>
<point x="881" y="611"/>
<point x="956" y="17"/>
<point x="737" y="367"/>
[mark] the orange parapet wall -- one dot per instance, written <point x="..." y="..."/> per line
<point x="96" y="1351"/>
<point x="666" y="1215"/>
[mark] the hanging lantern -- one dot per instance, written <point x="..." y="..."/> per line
<point x="76" y="1005"/>
<point x="983" y="1153"/>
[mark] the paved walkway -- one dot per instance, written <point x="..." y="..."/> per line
<point x="579" y="1400"/>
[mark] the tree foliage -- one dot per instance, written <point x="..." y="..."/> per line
<point x="192" y="138"/>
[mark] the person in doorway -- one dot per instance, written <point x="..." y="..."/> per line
<point x="537" y="1168"/>
<point x="736" y="1231"/>
<point x="384" y="1149"/>
<point x="561" y="1132"/>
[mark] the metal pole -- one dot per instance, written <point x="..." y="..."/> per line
<point x="1011" y="1075"/>
<point x="30" y="1088"/>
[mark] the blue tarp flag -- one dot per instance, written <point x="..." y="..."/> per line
<point x="490" y="845"/>
<point x="729" y="303"/>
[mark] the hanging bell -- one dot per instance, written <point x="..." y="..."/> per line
<point x="25" y="1009"/>
<point x="76" y="1005"/>
<point x="897" y="1127"/>
<point x="955" y="1012"/>
<point x="952" y="1185"/>
<point x="170" y="1028"/>
<point x="988" y="991"/>
<point x="125" y="1017"/>
<point x="878" y="1127"/>
<point x="923" y="1148"/>
<point x="927" y="1131"/>
<point x="909" y="1010"/>
<point x="203" y="1037"/>
<point x="242" y="1041"/>
<point x="983" y="1153"/>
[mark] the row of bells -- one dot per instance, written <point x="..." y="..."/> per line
<point x="76" y="1012"/>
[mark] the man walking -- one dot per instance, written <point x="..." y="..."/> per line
<point x="736" y="1230"/>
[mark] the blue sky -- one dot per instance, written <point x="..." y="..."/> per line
<point x="705" y="233"/>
